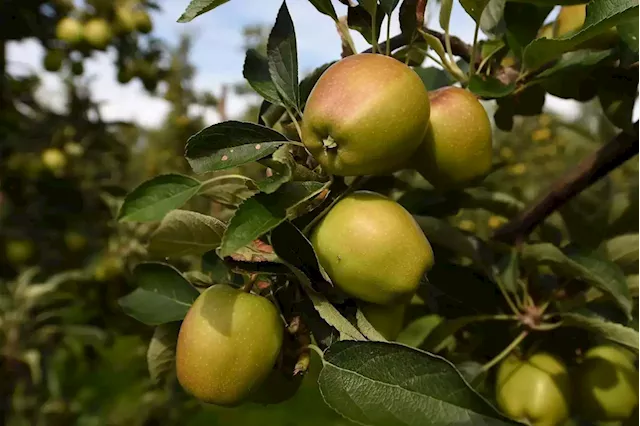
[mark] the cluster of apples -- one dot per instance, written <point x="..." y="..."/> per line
<point x="540" y="390"/>
<point x="368" y="114"/>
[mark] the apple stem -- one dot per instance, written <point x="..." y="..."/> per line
<point x="505" y="352"/>
<point x="329" y="143"/>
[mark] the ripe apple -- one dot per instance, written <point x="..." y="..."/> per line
<point x="97" y="33"/>
<point x="535" y="390"/>
<point x="228" y="344"/>
<point x="372" y="248"/>
<point x="69" y="30"/>
<point x="365" y="116"/>
<point x="606" y="384"/>
<point x="386" y="319"/>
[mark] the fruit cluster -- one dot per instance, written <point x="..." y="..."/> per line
<point x="540" y="390"/>
<point x="369" y="245"/>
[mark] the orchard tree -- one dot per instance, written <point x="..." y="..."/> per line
<point x="344" y="246"/>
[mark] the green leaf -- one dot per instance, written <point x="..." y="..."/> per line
<point x="435" y="44"/>
<point x="220" y="273"/>
<point x="332" y="316"/>
<point x="360" y="20"/>
<point x="198" y="7"/>
<point x="153" y="199"/>
<point x="492" y="18"/>
<point x="163" y="294"/>
<point x="228" y="190"/>
<point x="407" y="19"/>
<point x="230" y="144"/>
<point x="509" y="271"/>
<point x="367" y="329"/>
<point x="161" y="353"/>
<point x="282" y="165"/>
<point x="263" y="212"/>
<point x="576" y="62"/>
<point x="283" y="58"/>
<point x="600" y="273"/>
<point x="256" y="72"/>
<point x="618" y="92"/>
<point x="385" y="384"/>
<point x="623" y="251"/>
<point x="415" y="333"/>
<point x="522" y="23"/>
<point x="601" y="15"/>
<point x="445" y="13"/>
<point x="489" y="87"/>
<point x="307" y="83"/>
<point x="325" y="7"/>
<point x="629" y="34"/>
<point x="388" y="6"/>
<point x="474" y="8"/>
<point x="184" y="232"/>
<point x="433" y="78"/>
<point x="609" y="330"/>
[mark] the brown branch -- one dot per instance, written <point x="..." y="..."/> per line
<point x="590" y="170"/>
<point x="458" y="47"/>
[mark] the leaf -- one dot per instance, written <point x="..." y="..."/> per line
<point x="374" y="383"/>
<point x="509" y="271"/>
<point x="435" y="44"/>
<point x="491" y="20"/>
<point x="629" y="34"/>
<point x="281" y="165"/>
<point x="474" y="8"/>
<point x="433" y="78"/>
<point x="198" y="7"/>
<point x="445" y="13"/>
<point x="360" y="20"/>
<point x="609" y="330"/>
<point x="228" y="190"/>
<point x="161" y="353"/>
<point x="256" y="72"/>
<point x="307" y="83"/>
<point x="184" y="232"/>
<point x="220" y="273"/>
<point x="325" y="7"/>
<point x="388" y="6"/>
<point x="283" y="58"/>
<point x="601" y="15"/>
<point x="623" y="251"/>
<point x="415" y="333"/>
<point x="153" y="199"/>
<point x="332" y="316"/>
<point x="263" y="212"/>
<point x="576" y="62"/>
<point x="230" y="144"/>
<point x="368" y="330"/>
<point x="163" y="294"/>
<point x="522" y="23"/>
<point x="407" y="18"/>
<point x="600" y="273"/>
<point x="489" y="87"/>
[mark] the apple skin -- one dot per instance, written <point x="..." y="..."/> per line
<point x="69" y="30"/>
<point x="228" y="344"/>
<point x="571" y="19"/>
<point x="142" y="21"/>
<point x="606" y="385"/>
<point x="366" y="115"/>
<point x="536" y="390"/>
<point x="457" y="149"/>
<point x="372" y="249"/>
<point x="97" y="33"/>
<point x="386" y="319"/>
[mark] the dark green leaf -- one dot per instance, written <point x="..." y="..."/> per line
<point x="522" y="23"/>
<point x="575" y="62"/>
<point x="415" y="333"/>
<point x="161" y="353"/>
<point x="256" y="72"/>
<point x="216" y="268"/>
<point x="198" y="7"/>
<point x="325" y="7"/>
<point x="600" y="273"/>
<point x="509" y="271"/>
<point x="283" y="58"/>
<point x="609" y="330"/>
<point x="388" y="6"/>
<point x="433" y="78"/>
<point x="281" y="165"/>
<point x="184" y="232"/>
<point x="617" y="92"/>
<point x="492" y="21"/>
<point x="623" y="251"/>
<point x="474" y="8"/>
<point x="629" y="34"/>
<point x="601" y="15"/>
<point x="163" y="294"/>
<point x="375" y="383"/>
<point x="360" y="20"/>
<point x="230" y="144"/>
<point x="153" y="199"/>
<point x="307" y="83"/>
<point x="263" y="212"/>
<point x="489" y="87"/>
<point x="230" y="190"/>
<point x="407" y="18"/>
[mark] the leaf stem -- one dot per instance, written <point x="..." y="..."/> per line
<point x="388" y="50"/>
<point x="505" y="352"/>
<point x="374" y="36"/>
<point x="223" y="177"/>
<point x="506" y="296"/>
<point x="295" y="122"/>
<point x="359" y="180"/>
<point x="472" y="63"/>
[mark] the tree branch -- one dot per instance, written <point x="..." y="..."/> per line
<point x="459" y="47"/>
<point x="594" y="167"/>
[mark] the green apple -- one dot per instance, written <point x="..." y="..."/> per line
<point x="228" y="344"/>
<point x="457" y="148"/>
<point x="97" y="33"/>
<point x="19" y="251"/>
<point x="536" y="391"/>
<point x="372" y="249"/>
<point x="366" y="115"/>
<point x="386" y="319"/>
<point x="571" y="19"/>
<point x="606" y="384"/>
<point x="54" y="159"/>
<point x="69" y="30"/>
<point x="142" y="21"/>
<point x="53" y="60"/>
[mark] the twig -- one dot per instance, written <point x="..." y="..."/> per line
<point x="505" y="352"/>
<point x="458" y="47"/>
<point x="590" y="170"/>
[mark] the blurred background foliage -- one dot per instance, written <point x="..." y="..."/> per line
<point x="69" y="355"/>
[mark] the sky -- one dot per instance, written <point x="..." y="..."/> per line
<point x="217" y="55"/>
